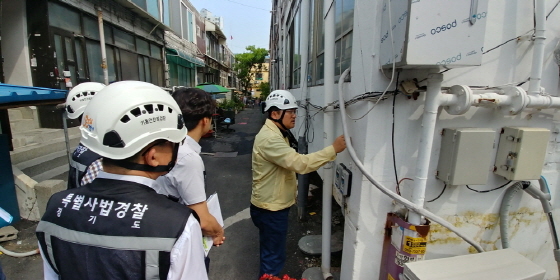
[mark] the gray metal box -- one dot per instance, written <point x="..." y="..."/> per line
<point x="521" y="153"/>
<point x="465" y="157"/>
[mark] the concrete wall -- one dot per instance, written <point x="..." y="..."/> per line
<point x="17" y="63"/>
<point x="473" y="213"/>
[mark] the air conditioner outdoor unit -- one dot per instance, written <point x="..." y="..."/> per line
<point x="499" y="264"/>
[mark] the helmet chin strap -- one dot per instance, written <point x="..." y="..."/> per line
<point x="149" y="168"/>
<point x="279" y="120"/>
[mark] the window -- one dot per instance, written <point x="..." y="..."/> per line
<point x="316" y="64"/>
<point x="155" y="51"/>
<point x="140" y="3"/>
<point x="91" y="28"/>
<point x="296" y="55"/>
<point x="153" y="9"/>
<point x="124" y="40"/>
<point x="62" y="17"/>
<point x="166" y="12"/>
<point x="184" y="22"/>
<point x="142" y="47"/>
<point x="344" y="23"/>
<point x="190" y="26"/>
<point x="94" y="61"/>
<point x="144" y="69"/>
<point x="129" y="65"/>
<point x="175" y="16"/>
<point x="258" y="76"/>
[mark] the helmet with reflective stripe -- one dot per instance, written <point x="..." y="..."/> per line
<point x="79" y="97"/>
<point x="126" y="116"/>
<point x="281" y="99"/>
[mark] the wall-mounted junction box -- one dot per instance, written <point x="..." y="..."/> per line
<point x="465" y="157"/>
<point x="521" y="153"/>
<point x="433" y="33"/>
<point x="343" y="180"/>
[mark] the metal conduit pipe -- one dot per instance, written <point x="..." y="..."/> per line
<point x="303" y="179"/>
<point x="328" y="128"/>
<point x="102" y="43"/>
<point x="504" y="210"/>
<point x="411" y="206"/>
<point x="543" y="196"/>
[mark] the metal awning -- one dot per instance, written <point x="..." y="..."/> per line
<point x="15" y="96"/>
<point x="182" y="58"/>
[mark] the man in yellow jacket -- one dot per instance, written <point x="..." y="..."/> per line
<point x="275" y="164"/>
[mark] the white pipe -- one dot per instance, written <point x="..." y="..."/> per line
<point x="102" y="43"/>
<point x="429" y="118"/>
<point x="328" y="128"/>
<point x="538" y="48"/>
<point x="18" y="255"/>
<point x="512" y="100"/>
<point x="413" y="207"/>
<point x="303" y="186"/>
<point x="543" y="102"/>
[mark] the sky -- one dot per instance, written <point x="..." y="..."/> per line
<point x="247" y="21"/>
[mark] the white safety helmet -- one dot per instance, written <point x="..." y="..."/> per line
<point x="79" y="97"/>
<point x="126" y="116"/>
<point x="282" y="99"/>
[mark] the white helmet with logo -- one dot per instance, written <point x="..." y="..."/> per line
<point x="126" y="116"/>
<point x="79" y="97"/>
<point x="281" y="99"/>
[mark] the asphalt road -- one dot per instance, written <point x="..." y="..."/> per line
<point x="227" y="158"/>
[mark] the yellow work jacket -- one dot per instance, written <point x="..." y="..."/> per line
<point x="275" y="165"/>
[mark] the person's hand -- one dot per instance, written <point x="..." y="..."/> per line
<point x="219" y="239"/>
<point x="339" y="144"/>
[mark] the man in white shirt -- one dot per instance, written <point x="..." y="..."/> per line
<point x="187" y="180"/>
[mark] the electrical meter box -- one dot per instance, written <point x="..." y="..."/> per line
<point x="343" y="180"/>
<point x="433" y="33"/>
<point x="465" y="156"/>
<point x="521" y="153"/>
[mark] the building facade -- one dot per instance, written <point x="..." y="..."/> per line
<point x="423" y="51"/>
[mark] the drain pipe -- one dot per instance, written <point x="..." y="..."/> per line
<point x="102" y="43"/>
<point x="538" y="48"/>
<point x="543" y="195"/>
<point x="328" y="128"/>
<point x="429" y="118"/>
<point x="303" y="179"/>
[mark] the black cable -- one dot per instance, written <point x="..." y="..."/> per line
<point x="444" y="186"/>
<point x="393" y="127"/>
<point x="516" y="38"/>
<point x="552" y="10"/>
<point x="488" y="190"/>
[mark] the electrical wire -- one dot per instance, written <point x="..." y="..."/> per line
<point x="554" y="8"/>
<point x="248" y="6"/>
<point x="516" y="38"/>
<point x="393" y="131"/>
<point x="392" y="70"/>
<point x="406" y="203"/>
<point x="398" y="188"/>
<point x="486" y="191"/>
<point x="444" y="186"/>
